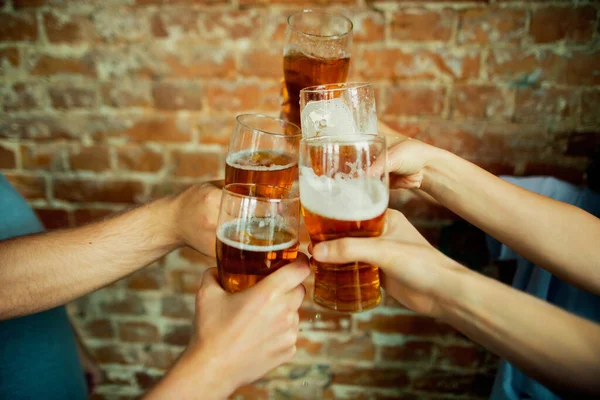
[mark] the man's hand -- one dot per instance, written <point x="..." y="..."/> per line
<point x="196" y="215"/>
<point x="238" y="337"/>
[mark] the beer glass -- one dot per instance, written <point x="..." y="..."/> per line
<point x="317" y="51"/>
<point x="256" y="235"/>
<point x="263" y="150"/>
<point x="343" y="194"/>
<point x="338" y="109"/>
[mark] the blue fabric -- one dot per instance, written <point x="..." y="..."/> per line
<point x="511" y="383"/>
<point x="38" y="353"/>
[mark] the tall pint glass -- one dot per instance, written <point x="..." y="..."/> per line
<point x="344" y="194"/>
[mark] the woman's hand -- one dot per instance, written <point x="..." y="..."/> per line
<point x="412" y="271"/>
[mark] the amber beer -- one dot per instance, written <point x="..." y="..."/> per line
<point x="244" y="258"/>
<point x="265" y="167"/>
<point x="301" y="71"/>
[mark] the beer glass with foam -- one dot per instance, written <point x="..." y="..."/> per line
<point x="256" y="235"/>
<point x="338" y="109"/>
<point x="263" y="150"/>
<point x="317" y="51"/>
<point x="344" y="192"/>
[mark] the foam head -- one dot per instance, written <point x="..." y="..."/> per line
<point x="327" y="118"/>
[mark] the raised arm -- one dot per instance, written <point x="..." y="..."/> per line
<point x="559" y="237"/>
<point x="42" y="271"/>
<point x="557" y="348"/>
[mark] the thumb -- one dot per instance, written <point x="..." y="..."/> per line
<point x="285" y="278"/>
<point x="210" y="279"/>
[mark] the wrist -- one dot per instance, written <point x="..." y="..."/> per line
<point x="169" y="211"/>
<point x="454" y="291"/>
<point x="437" y="163"/>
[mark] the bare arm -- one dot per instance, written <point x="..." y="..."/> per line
<point x="559" y="349"/>
<point x="42" y="271"/>
<point x="554" y="235"/>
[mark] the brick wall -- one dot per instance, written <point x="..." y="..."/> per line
<point x="105" y="104"/>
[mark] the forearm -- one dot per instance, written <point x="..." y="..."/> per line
<point x="558" y="349"/>
<point x="557" y="236"/>
<point x="42" y="271"/>
<point x="192" y="377"/>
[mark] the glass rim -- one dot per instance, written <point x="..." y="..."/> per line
<point x="240" y="117"/>
<point x="310" y="10"/>
<point x="335" y="87"/>
<point x="343" y="139"/>
<point x="286" y="199"/>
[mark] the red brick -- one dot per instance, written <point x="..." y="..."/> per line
<point x="369" y="26"/>
<point x="83" y="190"/>
<point x="18" y="4"/>
<point x="302" y="2"/>
<point x="198" y="165"/>
<point x="127" y="94"/>
<point x="321" y="320"/>
<point x="411" y="351"/>
<point x="177" y="96"/>
<point x="573" y="174"/>
<point x="11" y="56"/>
<point x="72" y="97"/>
<point x="160" y="359"/>
<point x="167" y="188"/>
<point x="21" y="26"/>
<point x="188" y="60"/>
<point x="30" y="187"/>
<point x="250" y="392"/>
<point x="136" y="158"/>
<point x="207" y="2"/>
<point x="407" y="324"/>
<point x="361" y="348"/>
<point x="122" y="25"/>
<point x="543" y="104"/>
<point x="178" y="335"/>
<point x="484" y="102"/>
<point x="186" y="281"/>
<point x="195" y="257"/>
<point x="52" y="218"/>
<point x="451" y="382"/>
<point x="64" y="28"/>
<point x="583" y="69"/>
<point x="158" y="128"/>
<point x="370" y="377"/>
<point x="149" y="278"/>
<point x="461" y="356"/>
<point x="309" y="347"/>
<point x="93" y="158"/>
<point x="39" y="128"/>
<point x="49" y="65"/>
<point x="220" y="26"/>
<point x="99" y="328"/>
<point x="141" y="332"/>
<point x="111" y="354"/>
<point x="415" y="100"/>
<point x="457" y="137"/>
<point x="174" y="306"/>
<point x="128" y="304"/>
<point x="238" y="97"/>
<point x="491" y="25"/>
<point x="216" y="130"/>
<point x="418" y="24"/>
<point x="7" y="157"/>
<point x="22" y="97"/>
<point x="44" y="157"/>
<point x="418" y="65"/>
<point x="522" y="68"/>
<point x="86" y="215"/>
<point x="551" y="24"/>
<point x="590" y="106"/>
<point x="145" y="380"/>
<point x="262" y="63"/>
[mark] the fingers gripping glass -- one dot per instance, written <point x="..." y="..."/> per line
<point x="263" y="150"/>
<point x="256" y="235"/>
<point x="344" y="192"/>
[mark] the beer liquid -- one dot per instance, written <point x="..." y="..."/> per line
<point x="301" y="71"/>
<point x="249" y="250"/>
<point x="263" y="167"/>
<point x="335" y="208"/>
